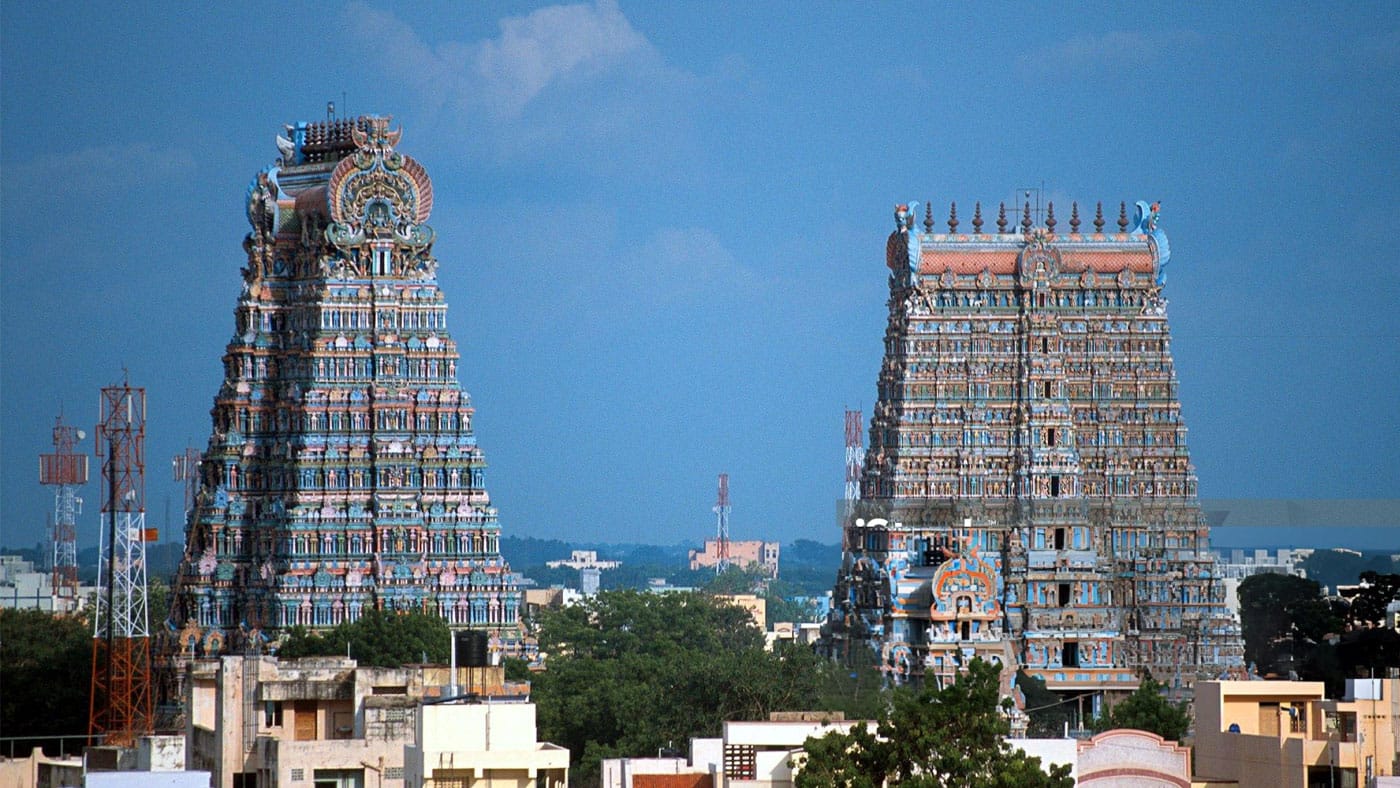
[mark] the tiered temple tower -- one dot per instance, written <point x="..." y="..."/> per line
<point x="1027" y="493"/>
<point x="342" y="473"/>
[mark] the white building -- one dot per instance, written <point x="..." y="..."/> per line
<point x="22" y="588"/>
<point x="583" y="559"/>
<point x="321" y="722"/>
<point x="476" y="745"/>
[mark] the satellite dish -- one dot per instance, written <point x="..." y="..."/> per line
<point x="81" y="435"/>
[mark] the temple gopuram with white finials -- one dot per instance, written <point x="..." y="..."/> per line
<point x="1027" y="495"/>
<point x="342" y="473"/>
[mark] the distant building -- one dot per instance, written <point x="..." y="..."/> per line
<point x="744" y="554"/>
<point x="1236" y="564"/>
<point x="658" y="585"/>
<point x="806" y="633"/>
<point x="257" y="722"/>
<point x="21" y="587"/>
<point x="583" y="559"/>
<point x="537" y="599"/>
<point x="1268" y="734"/>
<point x="756" y="605"/>
<point x="589" y="579"/>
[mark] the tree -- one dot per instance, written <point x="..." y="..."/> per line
<point x="1369" y="604"/>
<point x="737" y="579"/>
<point x="1147" y="709"/>
<point x="379" y="638"/>
<point x="628" y="673"/>
<point x="45" y="673"/>
<point x="1049" y="713"/>
<point x="1274" y="607"/>
<point x="954" y="736"/>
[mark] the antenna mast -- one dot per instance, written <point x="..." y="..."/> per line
<point x="855" y="456"/>
<point x="722" y="525"/>
<point x="65" y="470"/>
<point x="121" y="701"/>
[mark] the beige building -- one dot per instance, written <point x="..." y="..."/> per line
<point x="756" y="605"/>
<point x="256" y="722"/>
<point x="742" y="554"/>
<point x="1287" y="734"/>
<point x="481" y="745"/>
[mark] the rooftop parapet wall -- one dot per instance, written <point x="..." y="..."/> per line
<point x="1139" y="246"/>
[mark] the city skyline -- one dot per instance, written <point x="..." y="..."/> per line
<point x="663" y="226"/>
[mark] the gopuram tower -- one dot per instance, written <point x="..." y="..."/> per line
<point x="342" y="474"/>
<point x="1027" y="494"/>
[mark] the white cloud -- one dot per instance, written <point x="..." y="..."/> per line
<point x="682" y="263"/>
<point x="503" y="75"/>
<point x="536" y="50"/>
<point x="1116" y="48"/>
<point x="99" y="170"/>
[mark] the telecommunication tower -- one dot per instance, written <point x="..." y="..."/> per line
<point x="722" y="525"/>
<point x="121" y="700"/>
<point x="65" y="470"/>
<point x="186" y="469"/>
<point x="855" y="455"/>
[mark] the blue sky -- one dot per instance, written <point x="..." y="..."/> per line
<point x="662" y="224"/>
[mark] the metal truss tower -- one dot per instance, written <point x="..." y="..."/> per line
<point x="65" y="470"/>
<point x="855" y="455"/>
<point x="186" y="469"/>
<point x="121" y="700"/>
<point x="722" y="525"/>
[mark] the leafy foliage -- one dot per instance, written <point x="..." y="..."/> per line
<point x="1368" y="605"/>
<point x="855" y="690"/>
<point x="379" y="638"/>
<point x="628" y="673"/>
<point x="1277" y="607"/>
<point x="737" y="580"/>
<point x="1147" y="709"/>
<point x="1048" y="712"/>
<point x="954" y="736"/>
<point x="45" y="670"/>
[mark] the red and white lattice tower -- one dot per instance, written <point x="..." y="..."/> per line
<point x="722" y="525"/>
<point x="855" y="455"/>
<point x="66" y="471"/>
<point x="121" y="702"/>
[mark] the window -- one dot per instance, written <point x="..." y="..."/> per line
<point x="1063" y="591"/>
<point x="305" y="720"/>
<point x="272" y="714"/>
<point x="740" y="761"/>
<point x="1055" y="487"/>
<point x="1059" y="538"/>
<point x="1069" y="655"/>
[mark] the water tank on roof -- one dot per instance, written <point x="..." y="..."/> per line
<point x="471" y="648"/>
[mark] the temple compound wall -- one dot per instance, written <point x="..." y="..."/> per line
<point x="1027" y="495"/>
<point x="342" y="473"/>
